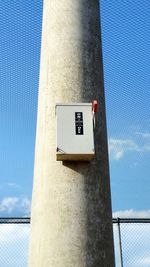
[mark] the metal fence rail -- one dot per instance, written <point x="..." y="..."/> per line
<point x="15" y="220"/>
<point x="131" y="240"/>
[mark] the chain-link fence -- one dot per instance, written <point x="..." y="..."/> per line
<point x="14" y="239"/>
<point x="131" y="240"/>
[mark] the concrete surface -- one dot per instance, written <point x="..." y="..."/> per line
<point x="71" y="206"/>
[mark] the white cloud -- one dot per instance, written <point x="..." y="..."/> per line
<point x="26" y="205"/>
<point x="14" y="185"/>
<point x="130" y="213"/>
<point x="146" y="147"/>
<point x="145" y="261"/>
<point x="9" y="205"/>
<point x="143" y="134"/>
<point x="9" y="184"/>
<point x="118" y="147"/>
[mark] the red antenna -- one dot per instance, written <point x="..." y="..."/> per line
<point x="94" y="106"/>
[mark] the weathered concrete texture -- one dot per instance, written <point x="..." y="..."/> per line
<point x="71" y="207"/>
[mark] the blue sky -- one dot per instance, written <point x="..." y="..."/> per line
<point x="126" y="55"/>
<point x="20" y="26"/>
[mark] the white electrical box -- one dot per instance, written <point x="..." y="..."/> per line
<point x="75" y="137"/>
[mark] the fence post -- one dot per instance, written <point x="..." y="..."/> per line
<point x="120" y="242"/>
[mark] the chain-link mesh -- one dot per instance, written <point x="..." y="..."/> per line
<point x="20" y="35"/>
<point x="131" y="242"/>
<point x="126" y="54"/>
<point x="14" y="240"/>
<point x="136" y="244"/>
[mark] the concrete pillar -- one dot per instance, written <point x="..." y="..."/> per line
<point x="71" y="207"/>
